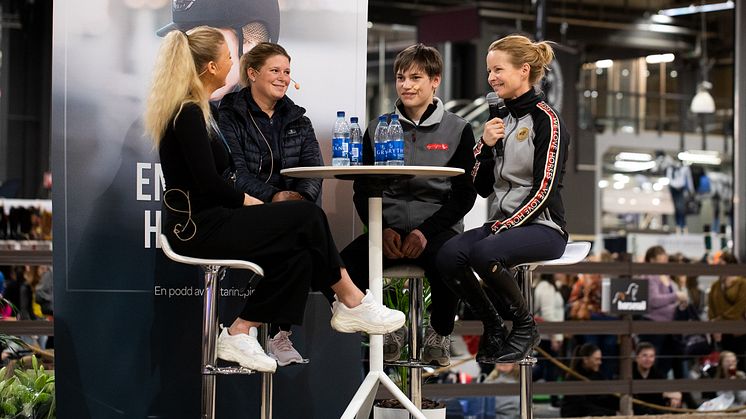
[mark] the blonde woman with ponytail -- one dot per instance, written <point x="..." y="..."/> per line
<point x="205" y="216"/>
<point x="521" y="159"/>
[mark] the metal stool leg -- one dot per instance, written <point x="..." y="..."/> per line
<point x="213" y="273"/>
<point x="415" y="324"/>
<point x="527" y="364"/>
<point x="266" y="376"/>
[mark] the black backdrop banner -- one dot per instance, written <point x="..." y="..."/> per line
<point x="127" y="320"/>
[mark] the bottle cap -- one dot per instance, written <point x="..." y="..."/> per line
<point x="394" y="117"/>
<point x="382" y="118"/>
<point x="340" y="114"/>
<point x="353" y="119"/>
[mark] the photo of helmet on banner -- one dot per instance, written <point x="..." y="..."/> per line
<point x="244" y="24"/>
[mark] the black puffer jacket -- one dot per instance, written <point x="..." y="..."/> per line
<point x="297" y="143"/>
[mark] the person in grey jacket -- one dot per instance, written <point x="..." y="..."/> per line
<point x="521" y="159"/>
<point x="266" y="132"/>
<point x="419" y="215"/>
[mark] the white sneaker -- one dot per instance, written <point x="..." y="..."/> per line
<point x="281" y="348"/>
<point x="245" y="350"/>
<point x="370" y="317"/>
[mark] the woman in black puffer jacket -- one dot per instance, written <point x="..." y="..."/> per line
<point x="266" y="132"/>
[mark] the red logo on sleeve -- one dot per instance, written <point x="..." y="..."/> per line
<point x="434" y="146"/>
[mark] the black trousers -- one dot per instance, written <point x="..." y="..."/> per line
<point x="444" y="301"/>
<point x="290" y="240"/>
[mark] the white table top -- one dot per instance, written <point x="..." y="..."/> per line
<point x="348" y="172"/>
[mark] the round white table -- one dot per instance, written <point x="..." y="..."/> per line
<point x="362" y="401"/>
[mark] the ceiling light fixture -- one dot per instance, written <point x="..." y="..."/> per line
<point x="633" y="166"/>
<point x="700" y="157"/>
<point x="692" y="9"/>
<point x="659" y="58"/>
<point x="604" y="63"/>
<point x="625" y="155"/>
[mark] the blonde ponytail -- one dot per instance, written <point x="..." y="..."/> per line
<point x="176" y="80"/>
<point x="538" y="55"/>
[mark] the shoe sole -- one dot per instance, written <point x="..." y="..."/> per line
<point x="228" y="354"/>
<point x="288" y="362"/>
<point x="355" y="325"/>
<point x="438" y="362"/>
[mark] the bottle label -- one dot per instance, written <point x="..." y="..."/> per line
<point x="381" y="149"/>
<point x="356" y="152"/>
<point x="396" y="150"/>
<point x="339" y="148"/>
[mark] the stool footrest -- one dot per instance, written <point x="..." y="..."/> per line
<point x="412" y="363"/>
<point x="529" y="360"/>
<point x="212" y="370"/>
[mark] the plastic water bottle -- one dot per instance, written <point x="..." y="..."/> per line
<point x="341" y="141"/>
<point x="380" y="138"/>
<point x="396" y="142"/>
<point x="356" y="143"/>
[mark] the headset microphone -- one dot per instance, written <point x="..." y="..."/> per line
<point x="296" y="85"/>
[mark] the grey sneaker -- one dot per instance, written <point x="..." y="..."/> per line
<point x="392" y="344"/>
<point x="281" y="348"/>
<point x="436" y="349"/>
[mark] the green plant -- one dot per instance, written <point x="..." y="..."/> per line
<point x="27" y="394"/>
<point x="396" y="295"/>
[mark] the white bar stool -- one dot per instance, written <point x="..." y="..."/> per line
<point x="574" y="253"/>
<point x="214" y="270"/>
<point x="415" y="275"/>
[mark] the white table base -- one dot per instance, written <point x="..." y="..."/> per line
<point x="362" y="401"/>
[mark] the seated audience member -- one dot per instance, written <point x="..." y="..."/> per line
<point x="548" y="306"/>
<point x="644" y="369"/>
<point x="506" y="407"/>
<point x="727" y="301"/>
<point x="585" y="304"/>
<point x="728" y="368"/>
<point x="587" y="362"/>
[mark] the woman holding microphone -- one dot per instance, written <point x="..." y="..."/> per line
<point x="521" y="158"/>
<point x="204" y="216"/>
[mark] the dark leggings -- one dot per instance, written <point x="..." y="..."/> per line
<point x="290" y="240"/>
<point x="481" y="249"/>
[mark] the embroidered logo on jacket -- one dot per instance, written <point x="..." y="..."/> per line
<point x="443" y="147"/>
<point x="522" y="134"/>
<point x="291" y="132"/>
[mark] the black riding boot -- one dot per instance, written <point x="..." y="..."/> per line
<point x="523" y="335"/>
<point x="493" y="339"/>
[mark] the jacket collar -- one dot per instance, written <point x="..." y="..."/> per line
<point x="242" y="100"/>
<point x="432" y="116"/>
<point x="523" y="104"/>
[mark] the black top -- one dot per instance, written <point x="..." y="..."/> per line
<point x="654" y="398"/>
<point x="588" y="405"/>
<point x="192" y="161"/>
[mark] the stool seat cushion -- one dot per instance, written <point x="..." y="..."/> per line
<point x="404" y="271"/>
<point x="228" y="263"/>
<point x="574" y="252"/>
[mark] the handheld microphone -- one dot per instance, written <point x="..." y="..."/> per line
<point x="497" y="110"/>
<point x="497" y="106"/>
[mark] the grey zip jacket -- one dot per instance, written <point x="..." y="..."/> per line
<point x="431" y="205"/>
<point x="525" y="169"/>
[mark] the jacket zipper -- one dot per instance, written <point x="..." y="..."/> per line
<point x="500" y="172"/>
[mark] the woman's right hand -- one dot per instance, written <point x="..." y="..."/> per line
<point x="494" y="130"/>
<point x="250" y="200"/>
